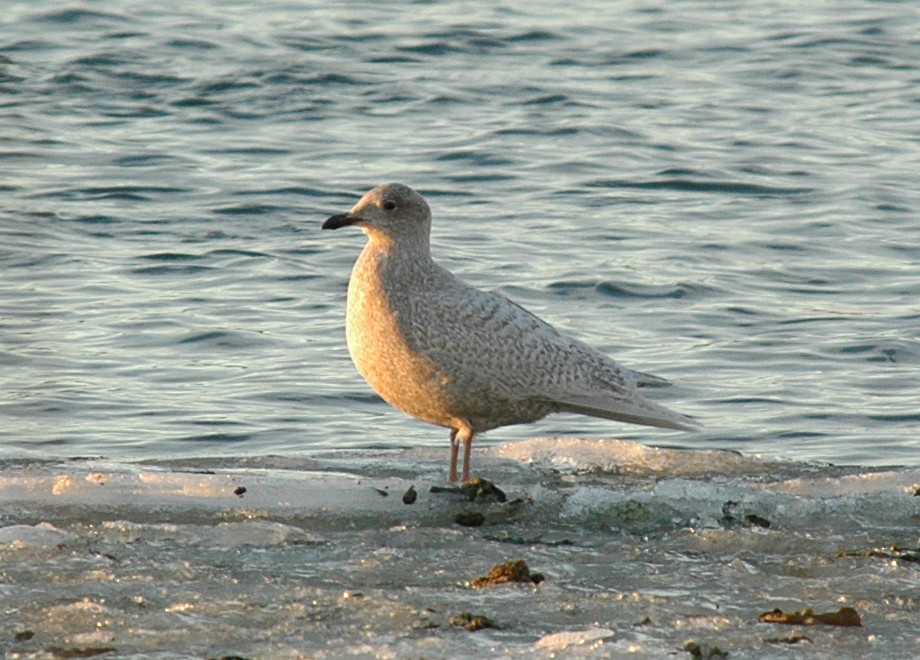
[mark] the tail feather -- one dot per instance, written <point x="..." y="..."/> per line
<point x="635" y="410"/>
<point x="648" y="380"/>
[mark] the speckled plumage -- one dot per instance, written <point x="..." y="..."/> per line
<point x="469" y="360"/>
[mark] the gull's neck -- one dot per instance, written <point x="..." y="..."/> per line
<point x="414" y="247"/>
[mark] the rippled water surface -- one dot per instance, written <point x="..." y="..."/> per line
<point x="721" y="194"/>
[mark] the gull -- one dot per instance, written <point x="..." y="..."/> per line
<point x="465" y="359"/>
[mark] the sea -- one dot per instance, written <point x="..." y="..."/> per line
<point x="724" y="194"/>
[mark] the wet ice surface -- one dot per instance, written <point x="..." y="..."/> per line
<point x="643" y="550"/>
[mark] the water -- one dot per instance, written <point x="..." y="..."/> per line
<point x="722" y="195"/>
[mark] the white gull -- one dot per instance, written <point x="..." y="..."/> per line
<point x="469" y="360"/>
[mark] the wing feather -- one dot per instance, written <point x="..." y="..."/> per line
<point x="488" y="344"/>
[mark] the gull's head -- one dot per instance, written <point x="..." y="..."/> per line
<point x="391" y="210"/>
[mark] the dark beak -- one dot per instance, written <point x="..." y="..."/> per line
<point x="342" y="220"/>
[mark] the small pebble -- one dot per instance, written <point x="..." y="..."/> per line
<point x="410" y="496"/>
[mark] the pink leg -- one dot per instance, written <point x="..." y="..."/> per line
<point x="467" y="448"/>
<point x="465" y="435"/>
<point x="454" y="446"/>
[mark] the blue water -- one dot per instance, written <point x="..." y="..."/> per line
<point x="721" y="194"/>
<point x="726" y="197"/>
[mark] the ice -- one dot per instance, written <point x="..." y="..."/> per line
<point x="864" y="483"/>
<point x="643" y="551"/>
<point x="583" y="454"/>
<point x="154" y="492"/>
<point x="42" y="535"/>
<point x="560" y="641"/>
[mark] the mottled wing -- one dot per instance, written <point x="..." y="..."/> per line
<point x="488" y="343"/>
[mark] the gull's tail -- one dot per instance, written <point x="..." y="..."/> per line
<point x="630" y="408"/>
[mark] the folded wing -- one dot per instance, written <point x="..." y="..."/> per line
<point x="490" y="344"/>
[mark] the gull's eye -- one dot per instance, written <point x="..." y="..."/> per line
<point x="389" y="205"/>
